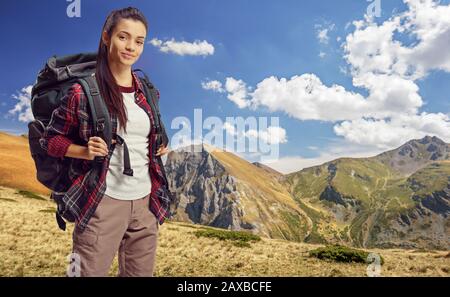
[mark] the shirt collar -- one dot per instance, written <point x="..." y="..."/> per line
<point x="137" y="83"/>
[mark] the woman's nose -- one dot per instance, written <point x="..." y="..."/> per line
<point x="129" y="47"/>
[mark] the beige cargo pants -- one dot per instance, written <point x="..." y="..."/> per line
<point x="126" y="226"/>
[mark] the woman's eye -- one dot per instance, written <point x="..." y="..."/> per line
<point x="120" y="37"/>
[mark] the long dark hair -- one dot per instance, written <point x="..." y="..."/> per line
<point x="107" y="84"/>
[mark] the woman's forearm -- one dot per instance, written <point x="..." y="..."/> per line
<point x="77" y="151"/>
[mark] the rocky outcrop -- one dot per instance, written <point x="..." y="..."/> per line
<point x="206" y="193"/>
<point x="415" y="154"/>
<point x="426" y="225"/>
<point x="216" y="188"/>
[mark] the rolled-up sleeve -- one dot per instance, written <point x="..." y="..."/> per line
<point x="64" y="120"/>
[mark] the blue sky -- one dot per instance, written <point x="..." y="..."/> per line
<point x="252" y="41"/>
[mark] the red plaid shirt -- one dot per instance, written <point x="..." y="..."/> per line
<point x="69" y="124"/>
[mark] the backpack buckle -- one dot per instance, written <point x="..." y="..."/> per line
<point x="100" y="125"/>
<point x="119" y="139"/>
<point x="69" y="74"/>
<point x="128" y="171"/>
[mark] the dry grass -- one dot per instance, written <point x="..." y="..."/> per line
<point x="32" y="245"/>
<point x="17" y="166"/>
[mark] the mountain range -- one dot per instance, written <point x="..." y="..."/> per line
<point x="399" y="198"/>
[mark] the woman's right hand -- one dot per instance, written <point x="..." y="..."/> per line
<point x="96" y="147"/>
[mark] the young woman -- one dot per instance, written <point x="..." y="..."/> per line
<point x="123" y="212"/>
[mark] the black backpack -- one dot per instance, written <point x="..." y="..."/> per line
<point x="53" y="82"/>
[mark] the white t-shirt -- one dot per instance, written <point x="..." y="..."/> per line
<point x="119" y="185"/>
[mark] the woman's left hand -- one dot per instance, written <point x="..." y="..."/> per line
<point x="162" y="150"/>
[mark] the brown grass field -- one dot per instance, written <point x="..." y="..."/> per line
<point x="32" y="245"/>
<point x="17" y="169"/>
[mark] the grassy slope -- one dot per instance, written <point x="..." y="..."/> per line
<point x="32" y="245"/>
<point x="17" y="169"/>
<point x="380" y="191"/>
<point x="434" y="177"/>
<point x="265" y="200"/>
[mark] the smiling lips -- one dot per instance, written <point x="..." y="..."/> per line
<point x="127" y="56"/>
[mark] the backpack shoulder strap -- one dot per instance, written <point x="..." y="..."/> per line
<point x="99" y="112"/>
<point x="151" y="94"/>
<point x="100" y="119"/>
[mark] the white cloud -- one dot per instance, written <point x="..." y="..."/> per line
<point x="347" y="25"/>
<point x="343" y="70"/>
<point x="379" y="63"/>
<point x="271" y="135"/>
<point x="322" y="33"/>
<point x="213" y="85"/>
<point x="196" y="48"/>
<point x="23" y="106"/>
<point x="385" y="134"/>
<point x="237" y="92"/>
<point x="322" y="55"/>
<point x="305" y="97"/>
<point x="389" y="95"/>
<point x="371" y="48"/>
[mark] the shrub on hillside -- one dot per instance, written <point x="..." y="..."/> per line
<point x="239" y="238"/>
<point x="341" y="253"/>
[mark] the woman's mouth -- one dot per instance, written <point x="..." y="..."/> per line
<point x="127" y="56"/>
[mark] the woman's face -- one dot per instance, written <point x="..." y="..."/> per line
<point x="127" y="42"/>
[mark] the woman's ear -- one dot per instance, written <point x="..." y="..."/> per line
<point x="105" y="38"/>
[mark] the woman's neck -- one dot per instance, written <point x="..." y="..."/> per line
<point x="122" y="74"/>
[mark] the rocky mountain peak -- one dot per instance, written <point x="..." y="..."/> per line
<point x="416" y="154"/>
